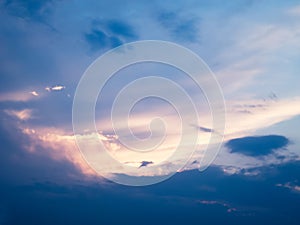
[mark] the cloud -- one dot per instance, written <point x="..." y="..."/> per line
<point x="294" y="11"/>
<point x="62" y="142"/>
<point x="253" y="52"/>
<point x="29" y="9"/>
<point x="24" y="114"/>
<point x="169" y="198"/>
<point x="259" y="114"/>
<point x="27" y="160"/>
<point x="291" y="186"/>
<point x="97" y="39"/>
<point x="109" y="34"/>
<point x="257" y="145"/>
<point x="18" y="96"/>
<point x="227" y="206"/>
<point x="56" y="178"/>
<point x="145" y="163"/>
<point x="62" y="147"/>
<point x="181" y="28"/>
<point x="247" y="51"/>
<point x="262" y="114"/>
<point x="55" y="88"/>
<point x="240" y="163"/>
<point x="28" y="94"/>
<point x="240" y="56"/>
<point x="120" y="28"/>
<point x="34" y="93"/>
<point x="204" y="129"/>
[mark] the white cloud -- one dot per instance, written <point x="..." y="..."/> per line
<point x="34" y="93"/>
<point x="248" y="116"/>
<point x="55" y="88"/>
<point x="291" y="186"/>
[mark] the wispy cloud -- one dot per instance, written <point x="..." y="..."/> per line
<point x="204" y="129"/>
<point x="29" y="9"/>
<point x="24" y="114"/>
<point x="109" y="34"/>
<point x="291" y="186"/>
<point x="180" y="27"/>
<point x="294" y="11"/>
<point x="229" y="208"/>
<point x="28" y="94"/>
<point x="18" y="96"/>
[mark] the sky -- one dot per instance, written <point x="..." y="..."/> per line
<point x="49" y="171"/>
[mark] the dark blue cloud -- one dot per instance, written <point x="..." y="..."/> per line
<point x="109" y="34"/>
<point x="145" y="163"/>
<point x="97" y="39"/>
<point x="29" y="9"/>
<point x="205" y="197"/>
<point x="257" y="145"/>
<point x="183" y="29"/>
<point x="19" y="166"/>
<point x="204" y="129"/>
<point x="121" y="29"/>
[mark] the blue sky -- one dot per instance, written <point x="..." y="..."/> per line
<point x="252" y="47"/>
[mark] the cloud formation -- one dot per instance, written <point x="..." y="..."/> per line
<point x="289" y="185"/>
<point x="182" y="28"/>
<point x="145" y="163"/>
<point x="30" y="9"/>
<point x="18" y="96"/>
<point x="55" y="88"/>
<point x="253" y="48"/>
<point x="24" y="114"/>
<point x="109" y="34"/>
<point x="257" y="145"/>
